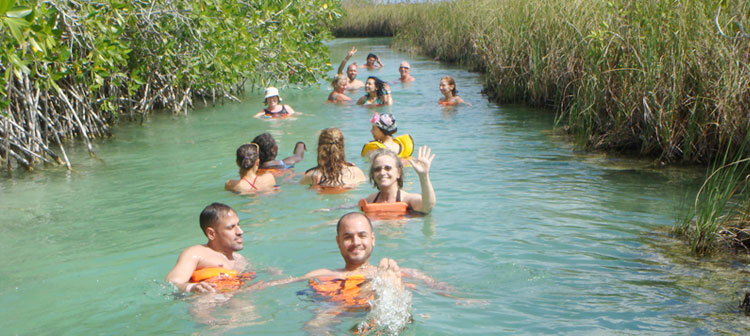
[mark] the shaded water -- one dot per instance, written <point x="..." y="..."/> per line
<point x="555" y="241"/>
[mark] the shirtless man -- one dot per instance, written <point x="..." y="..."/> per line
<point x="221" y="226"/>
<point x="351" y="72"/>
<point x="371" y="60"/>
<point x="405" y="70"/>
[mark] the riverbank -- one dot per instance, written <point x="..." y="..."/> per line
<point x="72" y="70"/>
<point x="668" y="80"/>
<point x="663" y="79"/>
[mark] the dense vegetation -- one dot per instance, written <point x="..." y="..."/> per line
<point x="662" y="78"/>
<point x="72" y="68"/>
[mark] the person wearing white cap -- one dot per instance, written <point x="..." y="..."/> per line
<point x="273" y="108"/>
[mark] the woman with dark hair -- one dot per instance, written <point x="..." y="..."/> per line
<point x="250" y="180"/>
<point x="383" y="128"/>
<point x="269" y="149"/>
<point x="332" y="170"/>
<point x="273" y="107"/>
<point x="387" y="175"/>
<point x="449" y="91"/>
<point x="377" y="92"/>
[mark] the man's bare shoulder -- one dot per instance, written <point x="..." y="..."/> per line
<point x="323" y="272"/>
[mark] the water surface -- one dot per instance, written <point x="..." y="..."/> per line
<point x="555" y="241"/>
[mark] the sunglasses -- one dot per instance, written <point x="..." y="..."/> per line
<point x="403" y="67"/>
<point x="379" y="168"/>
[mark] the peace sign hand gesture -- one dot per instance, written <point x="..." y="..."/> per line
<point x="424" y="160"/>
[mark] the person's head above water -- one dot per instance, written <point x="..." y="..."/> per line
<point x="385" y="122"/>
<point x="339" y="82"/>
<point x="247" y="156"/>
<point x="270" y="93"/>
<point x="355" y="239"/>
<point x="371" y="58"/>
<point x="404" y="69"/>
<point x="352" y="71"/>
<point x="267" y="146"/>
<point x="447" y="83"/>
<point x="387" y="164"/>
<point x="220" y="224"/>
<point x="377" y="85"/>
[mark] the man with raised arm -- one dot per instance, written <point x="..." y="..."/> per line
<point x="205" y="268"/>
<point x="351" y="71"/>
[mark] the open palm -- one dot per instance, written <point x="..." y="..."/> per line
<point x="424" y="160"/>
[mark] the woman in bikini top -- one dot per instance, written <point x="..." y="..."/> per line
<point x="250" y="181"/>
<point x="377" y="93"/>
<point x="332" y="170"/>
<point x="450" y="93"/>
<point x="387" y="175"/>
<point x="273" y="108"/>
<point x="338" y="95"/>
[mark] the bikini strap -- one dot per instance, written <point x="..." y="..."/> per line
<point x="375" y="200"/>
<point x="398" y="196"/>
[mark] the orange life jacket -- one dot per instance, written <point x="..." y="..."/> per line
<point x="225" y="279"/>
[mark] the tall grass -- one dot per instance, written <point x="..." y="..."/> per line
<point x="669" y="79"/>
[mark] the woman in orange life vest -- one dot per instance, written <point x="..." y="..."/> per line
<point x="332" y="170"/>
<point x="269" y="149"/>
<point x="450" y="93"/>
<point x="250" y="180"/>
<point x="338" y="95"/>
<point x="387" y="174"/>
<point x="273" y="108"/>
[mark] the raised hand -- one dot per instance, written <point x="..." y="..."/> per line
<point x="351" y="52"/>
<point x="423" y="162"/>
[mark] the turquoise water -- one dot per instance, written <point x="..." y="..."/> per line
<point x="553" y="240"/>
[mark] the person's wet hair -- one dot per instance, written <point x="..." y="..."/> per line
<point x="371" y="55"/>
<point x="450" y="81"/>
<point x="352" y="214"/>
<point x="378" y="85"/>
<point x="212" y="213"/>
<point x="399" y="166"/>
<point x="267" y="146"/>
<point x="247" y="154"/>
<point x="331" y="156"/>
<point x="336" y="79"/>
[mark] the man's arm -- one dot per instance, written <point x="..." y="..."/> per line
<point x="187" y="262"/>
<point x="349" y="55"/>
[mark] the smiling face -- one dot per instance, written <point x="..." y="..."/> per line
<point x="385" y="171"/>
<point x="371" y="61"/>
<point x="272" y="101"/>
<point x="355" y="240"/>
<point x="351" y="72"/>
<point x="225" y="234"/>
<point x="445" y="88"/>
<point x="404" y="69"/>
<point x="341" y="84"/>
<point x="370" y="86"/>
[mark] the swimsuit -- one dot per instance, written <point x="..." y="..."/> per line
<point x="385" y="210"/>
<point x="322" y="179"/>
<point x="281" y="113"/>
<point x="377" y="101"/>
<point x="252" y="184"/>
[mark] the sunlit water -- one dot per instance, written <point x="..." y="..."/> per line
<point x="542" y="238"/>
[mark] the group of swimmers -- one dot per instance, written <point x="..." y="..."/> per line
<point x="216" y="265"/>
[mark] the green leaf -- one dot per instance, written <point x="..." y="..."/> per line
<point x="18" y="12"/>
<point x="5" y="5"/>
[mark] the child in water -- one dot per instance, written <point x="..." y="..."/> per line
<point x="269" y="149"/>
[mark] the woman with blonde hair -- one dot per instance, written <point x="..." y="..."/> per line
<point x="332" y="170"/>
<point x="250" y="181"/>
<point x="338" y="95"/>
<point x="449" y="91"/>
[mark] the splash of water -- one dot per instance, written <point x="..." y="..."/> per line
<point x="391" y="308"/>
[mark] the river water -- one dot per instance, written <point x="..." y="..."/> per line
<point x="540" y="237"/>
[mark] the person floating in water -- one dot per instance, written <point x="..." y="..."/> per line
<point x="387" y="175"/>
<point x="250" y="179"/>
<point x="450" y="93"/>
<point x="332" y="170"/>
<point x="338" y="95"/>
<point x="351" y="72"/>
<point x="373" y="62"/>
<point x="203" y="268"/>
<point x="405" y="71"/>
<point x="383" y="128"/>
<point x="269" y="150"/>
<point x="273" y="108"/>
<point x="377" y="92"/>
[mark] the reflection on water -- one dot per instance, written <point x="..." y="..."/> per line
<point x="554" y="241"/>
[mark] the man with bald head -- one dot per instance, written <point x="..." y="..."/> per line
<point x="351" y="72"/>
<point x="405" y="70"/>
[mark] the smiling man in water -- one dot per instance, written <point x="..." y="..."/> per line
<point x="351" y="71"/>
<point x="221" y="226"/>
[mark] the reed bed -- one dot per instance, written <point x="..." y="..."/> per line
<point x="668" y="79"/>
